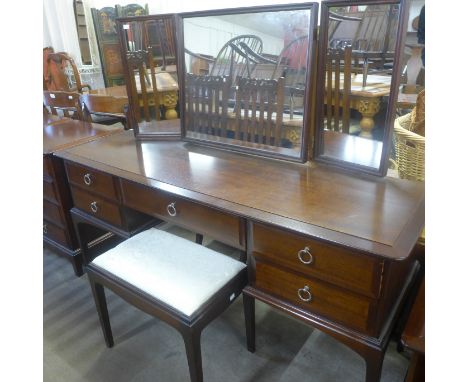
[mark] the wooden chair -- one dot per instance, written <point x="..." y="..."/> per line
<point x="106" y="110"/>
<point x="160" y="41"/>
<point x="338" y="89"/>
<point x="259" y="111"/>
<point x="183" y="283"/>
<point x="68" y="103"/>
<point x="58" y="79"/>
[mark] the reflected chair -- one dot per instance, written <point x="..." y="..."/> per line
<point x="183" y="283"/>
<point x="106" y="110"/>
<point x="338" y="89"/>
<point x="63" y="74"/>
<point x="67" y="103"/>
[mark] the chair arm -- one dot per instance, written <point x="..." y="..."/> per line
<point x="258" y="57"/>
<point x="80" y="90"/>
<point x="199" y="56"/>
<point x="337" y="17"/>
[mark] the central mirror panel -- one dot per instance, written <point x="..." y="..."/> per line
<point x="247" y="76"/>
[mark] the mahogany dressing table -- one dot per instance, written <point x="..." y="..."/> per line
<point x="331" y="249"/>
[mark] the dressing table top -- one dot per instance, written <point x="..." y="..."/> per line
<point x="381" y="216"/>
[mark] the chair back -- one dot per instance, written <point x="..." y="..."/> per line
<point x="338" y="89"/>
<point x="106" y="106"/>
<point x="68" y="103"/>
<point x="63" y="74"/>
<point x="259" y="111"/>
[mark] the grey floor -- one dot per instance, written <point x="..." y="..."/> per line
<point x="147" y="349"/>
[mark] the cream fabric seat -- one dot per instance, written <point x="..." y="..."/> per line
<point x="176" y="271"/>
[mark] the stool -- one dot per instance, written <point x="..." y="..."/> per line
<point x="181" y="282"/>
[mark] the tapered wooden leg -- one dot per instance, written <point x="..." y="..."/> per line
<point x="249" y="314"/>
<point x="199" y="238"/>
<point x="374" y="363"/>
<point x="193" y="350"/>
<point x="101" y="307"/>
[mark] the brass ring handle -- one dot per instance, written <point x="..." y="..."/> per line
<point x="87" y="179"/>
<point x="94" y="207"/>
<point x="171" y="210"/>
<point x="304" y="294"/>
<point x="44" y="228"/>
<point x="304" y="256"/>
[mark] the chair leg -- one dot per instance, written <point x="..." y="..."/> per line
<point x="249" y="314"/>
<point x="199" y="238"/>
<point x="193" y="350"/>
<point x="101" y="307"/>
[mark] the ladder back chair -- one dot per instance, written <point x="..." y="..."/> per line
<point x="106" y="110"/>
<point x="67" y="103"/>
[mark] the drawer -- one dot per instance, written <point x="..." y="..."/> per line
<point x="54" y="233"/>
<point x="196" y="217"/>
<point x="352" y="270"/>
<point x="51" y="212"/>
<point x="48" y="190"/>
<point x="326" y="300"/>
<point x="92" y="180"/>
<point x="47" y="167"/>
<point x="97" y="206"/>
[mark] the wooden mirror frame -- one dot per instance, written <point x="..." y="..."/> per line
<point x="393" y="96"/>
<point x="312" y="7"/>
<point x="132" y="120"/>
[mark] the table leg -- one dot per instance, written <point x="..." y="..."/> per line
<point x="368" y="108"/>
<point x="169" y="100"/>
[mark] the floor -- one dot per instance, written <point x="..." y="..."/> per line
<point x="147" y="349"/>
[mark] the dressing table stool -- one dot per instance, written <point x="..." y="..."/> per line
<point x="181" y="282"/>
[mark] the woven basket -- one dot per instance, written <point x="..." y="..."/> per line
<point x="409" y="150"/>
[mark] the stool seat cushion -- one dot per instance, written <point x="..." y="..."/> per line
<point x="176" y="271"/>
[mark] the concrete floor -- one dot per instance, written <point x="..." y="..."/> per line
<point x="147" y="349"/>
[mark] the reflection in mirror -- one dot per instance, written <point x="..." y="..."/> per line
<point x="151" y="75"/>
<point x="359" y="60"/>
<point x="245" y="78"/>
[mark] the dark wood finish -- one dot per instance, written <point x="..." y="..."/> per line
<point x="66" y="102"/>
<point x="381" y="170"/>
<point x="108" y="109"/>
<point x="57" y="78"/>
<point x="361" y="229"/>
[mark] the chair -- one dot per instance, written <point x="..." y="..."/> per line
<point x="160" y="41"/>
<point x="45" y="67"/>
<point x="106" y="110"/>
<point x="63" y="74"/>
<point x="66" y="102"/>
<point x="338" y="89"/>
<point x="183" y="283"/>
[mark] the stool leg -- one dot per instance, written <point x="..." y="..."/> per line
<point x="193" y="350"/>
<point x="101" y="307"/>
<point x="249" y="315"/>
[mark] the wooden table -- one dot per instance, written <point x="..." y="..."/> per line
<point x="61" y="133"/>
<point x="328" y="248"/>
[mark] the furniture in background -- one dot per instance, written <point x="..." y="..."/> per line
<point x="68" y="103"/>
<point x="58" y="231"/>
<point x="63" y="74"/>
<point x="45" y="67"/>
<point x="181" y="282"/>
<point x="82" y="31"/>
<point x="106" y="110"/>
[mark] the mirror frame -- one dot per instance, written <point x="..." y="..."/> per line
<point x="132" y="122"/>
<point x="393" y="96"/>
<point x="312" y="7"/>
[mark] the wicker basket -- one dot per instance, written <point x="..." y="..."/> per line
<point x="409" y="150"/>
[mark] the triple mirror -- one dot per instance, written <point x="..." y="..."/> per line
<point x="246" y="73"/>
<point x="358" y="73"/>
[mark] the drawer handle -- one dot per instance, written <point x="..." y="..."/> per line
<point x="94" y="207"/>
<point x="44" y="228"/>
<point x="171" y="210"/>
<point x="304" y="294"/>
<point x="305" y="257"/>
<point x="87" y="179"/>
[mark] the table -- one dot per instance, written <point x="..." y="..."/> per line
<point x="61" y="133"/>
<point x="330" y="249"/>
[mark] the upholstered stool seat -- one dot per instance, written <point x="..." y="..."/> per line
<point x="183" y="283"/>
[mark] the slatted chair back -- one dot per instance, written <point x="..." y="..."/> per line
<point x="101" y="105"/>
<point x="63" y="74"/>
<point x="159" y="35"/>
<point x="338" y="89"/>
<point x="259" y="111"/>
<point x="63" y="103"/>
<point x="207" y="104"/>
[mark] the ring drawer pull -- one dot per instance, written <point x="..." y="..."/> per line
<point x="87" y="179"/>
<point x="171" y="210"/>
<point x="305" y="256"/>
<point x="44" y="228"/>
<point x="94" y="207"/>
<point x="304" y="294"/>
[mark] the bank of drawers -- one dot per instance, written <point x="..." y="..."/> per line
<point x="336" y="283"/>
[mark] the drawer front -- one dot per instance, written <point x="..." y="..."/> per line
<point x="325" y="300"/>
<point x="92" y="180"/>
<point x="331" y="263"/>
<point x="57" y="234"/>
<point x="97" y="206"/>
<point x="198" y="218"/>
<point x="47" y="167"/>
<point x="51" y="212"/>
<point x="48" y="190"/>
